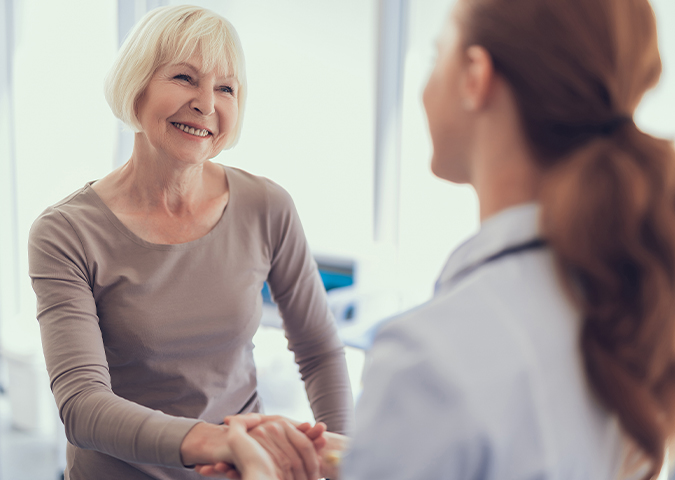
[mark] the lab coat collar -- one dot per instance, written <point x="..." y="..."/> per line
<point x="511" y="227"/>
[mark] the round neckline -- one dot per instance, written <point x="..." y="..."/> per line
<point x="117" y="223"/>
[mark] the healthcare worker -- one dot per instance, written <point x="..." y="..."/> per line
<point x="548" y="350"/>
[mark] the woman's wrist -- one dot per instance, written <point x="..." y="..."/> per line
<point x="201" y="443"/>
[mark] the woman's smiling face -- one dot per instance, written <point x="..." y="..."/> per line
<point x="188" y="114"/>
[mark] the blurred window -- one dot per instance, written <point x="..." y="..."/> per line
<point x="9" y="245"/>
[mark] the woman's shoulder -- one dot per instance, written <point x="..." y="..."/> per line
<point x="79" y="206"/>
<point x="462" y="329"/>
<point x="257" y="190"/>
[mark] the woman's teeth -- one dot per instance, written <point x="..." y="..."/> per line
<point x="198" y="132"/>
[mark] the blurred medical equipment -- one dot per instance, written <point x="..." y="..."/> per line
<point x="359" y="295"/>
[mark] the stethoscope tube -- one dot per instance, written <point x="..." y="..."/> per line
<point x="535" y="244"/>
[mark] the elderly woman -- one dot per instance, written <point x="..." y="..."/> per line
<point x="548" y="349"/>
<point x="148" y="280"/>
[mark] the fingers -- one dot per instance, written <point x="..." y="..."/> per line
<point x="291" y="449"/>
<point x="228" y="470"/>
<point x="293" y="446"/>
<point x="304" y="427"/>
<point x="251" y="420"/>
<point x="304" y="446"/>
<point x="319" y="443"/>
<point x="273" y="439"/>
<point x="316" y="431"/>
<point x="262" y="418"/>
<point x="215" y="471"/>
<point x="315" y="434"/>
<point x="251" y="459"/>
<point x="254" y="419"/>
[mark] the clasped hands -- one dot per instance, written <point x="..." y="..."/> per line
<point x="260" y="447"/>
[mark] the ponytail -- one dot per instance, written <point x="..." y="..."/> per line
<point x="609" y="215"/>
<point x="608" y="199"/>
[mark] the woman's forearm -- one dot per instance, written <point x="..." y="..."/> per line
<point x="329" y="390"/>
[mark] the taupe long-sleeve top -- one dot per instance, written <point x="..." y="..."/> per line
<point x="144" y="340"/>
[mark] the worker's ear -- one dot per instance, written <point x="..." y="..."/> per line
<point x="477" y="78"/>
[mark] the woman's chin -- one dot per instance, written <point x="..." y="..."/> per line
<point x="447" y="170"/>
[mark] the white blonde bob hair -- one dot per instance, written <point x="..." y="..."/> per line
<point x="168" y="36"/>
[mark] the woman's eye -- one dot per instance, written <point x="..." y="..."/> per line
<point x="226" y="89"/>
<point x="184" y="77"/>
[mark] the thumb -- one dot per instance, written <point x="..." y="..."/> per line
<point x="249" y="420"/>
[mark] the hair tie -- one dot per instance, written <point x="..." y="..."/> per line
<point x="609" y="128"/>
<point x="584" y="131"/>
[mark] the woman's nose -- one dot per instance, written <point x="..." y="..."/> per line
<point x="204" y="101"/>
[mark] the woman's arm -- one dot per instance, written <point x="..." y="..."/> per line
<point x="310" y="329"/>
<point x="94" y="417"/>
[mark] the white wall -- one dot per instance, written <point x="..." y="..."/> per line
<point x="64" y="130"/>
<point x="9" y="272"/>
<point x="309" y="121"/>
<point x="656" y="113"/>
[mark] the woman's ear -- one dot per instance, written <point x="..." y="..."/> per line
<point x="477" y="78"/>
<point x="136" y="103"/>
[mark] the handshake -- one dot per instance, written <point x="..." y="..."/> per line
<point x="261" y="447"/>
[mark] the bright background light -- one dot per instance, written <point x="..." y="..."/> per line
<point x="309" y="125"/>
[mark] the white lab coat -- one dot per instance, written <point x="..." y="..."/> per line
<point x="486" y="380"/>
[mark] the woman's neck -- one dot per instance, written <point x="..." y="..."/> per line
<point x="158" y="186"/>
<point x="157" y="181"/>
<point x="504" y="170"/>
<point x="504" y="183"/>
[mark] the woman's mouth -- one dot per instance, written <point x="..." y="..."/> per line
<point x="197" y="132"/>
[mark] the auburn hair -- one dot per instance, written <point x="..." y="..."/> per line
<point x="578" y="69"/>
